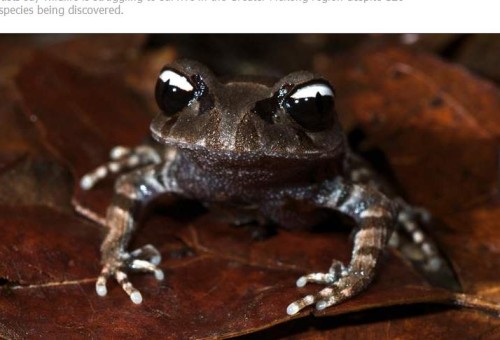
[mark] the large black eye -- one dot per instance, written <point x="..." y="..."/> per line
<point x="173" y="91"/>
<point x="311" y="105"/>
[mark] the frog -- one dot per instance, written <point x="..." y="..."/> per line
<point x="271" y="152"/>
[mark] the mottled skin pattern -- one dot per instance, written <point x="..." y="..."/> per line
<point x="219" y="151"/>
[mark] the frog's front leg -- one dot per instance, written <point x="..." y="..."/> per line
<point x="132" y="191"/>
<point x="375" y="218"/>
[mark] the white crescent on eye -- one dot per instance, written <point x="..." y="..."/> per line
<point x="176" y="80"/>
<point x="311" y="90"/>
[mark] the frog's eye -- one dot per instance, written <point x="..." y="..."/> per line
<point x="173" y="91"/>
<point x="311" y="105"/>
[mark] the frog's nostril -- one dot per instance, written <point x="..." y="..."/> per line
<point x="266" y="109"/>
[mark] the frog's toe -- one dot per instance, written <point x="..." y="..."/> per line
<point x="296" y="306"/>
<point x="329" y="296"/>
<point x="100" y="285"/>
<point x="337" y="270"/>
<point x="148" y="267"/>
<point x="88" y="181"/>
<point x="322" y="278"/>
<point x="119" y="152"/>
<point x="122" y="279"/>
<point x="148" y="253"/>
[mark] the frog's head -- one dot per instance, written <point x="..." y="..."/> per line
<point x="294" y="118"/>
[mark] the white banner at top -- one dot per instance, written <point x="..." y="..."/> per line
<point x="249" y="16"/>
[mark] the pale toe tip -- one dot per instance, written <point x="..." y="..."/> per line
<point x="159" y="275"/>
<point x="136" y="298"/>
<point x="301" y="282"/>
<point x="156" y="260"/>
<point x="86" y="183"/>
<point x="292" y="309"/>
<point x="101" y="290"/>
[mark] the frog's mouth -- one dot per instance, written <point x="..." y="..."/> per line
<point x="161" y="131"/>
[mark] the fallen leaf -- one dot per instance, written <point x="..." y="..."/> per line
<point x="435" y="123"/>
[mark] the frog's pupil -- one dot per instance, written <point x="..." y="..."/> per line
<point x="320" y="104"/>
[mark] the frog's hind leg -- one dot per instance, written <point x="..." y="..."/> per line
<point x="122" y="158"/>
<point x="420" y="247"/>
<point x="417" y="246"/>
